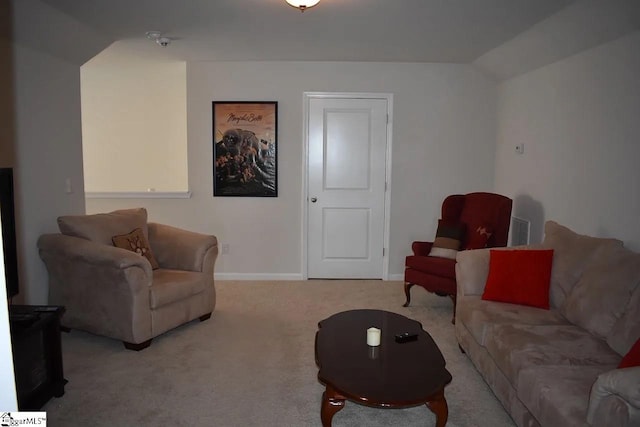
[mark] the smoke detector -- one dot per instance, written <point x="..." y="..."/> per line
<point x="158" y="38"/>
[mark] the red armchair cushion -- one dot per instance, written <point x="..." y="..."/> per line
<point x="519" y="277"/>
<point x="443" y="267"/>
<point x="632" y="358"/>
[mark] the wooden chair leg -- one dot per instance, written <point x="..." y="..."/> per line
<point x="205" y="317"/>
<point x="453" y="298"/>
<point x="136" y="347"/>
<point x="407" y="287"/>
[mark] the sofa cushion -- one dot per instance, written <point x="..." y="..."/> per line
<point x="627" y="329"/>
<point x="601" y="295"/>
<point x="175" y="285"/>
<point x="558" y="395"/>
<point x="519" y="277"/>
<point x="100" y="228"/>
<point x="480" y="316"/>
<point x="443" y="267"/>
<point x="517" y="347"/>
<point x="572" y="253"/>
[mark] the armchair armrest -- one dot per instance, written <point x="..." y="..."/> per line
<point x="80" y="250"/>
<point x="103" y="288"/>
<point x="180" y="249"/>
<point x="621" y="383"/>
<point x="421" y="248"/>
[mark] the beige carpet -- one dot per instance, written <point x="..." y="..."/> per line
<point x="252" y="364"/>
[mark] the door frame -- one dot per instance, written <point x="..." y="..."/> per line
<point x="307" y="96"/>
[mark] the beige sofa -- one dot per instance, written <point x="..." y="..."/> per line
<point x="115" y="292"/>
<point x="558" y="367"/>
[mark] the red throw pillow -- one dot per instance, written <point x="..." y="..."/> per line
<point x="519" y="277"/>
<point x="632" y="358"/>
<point x="477" y="237"/>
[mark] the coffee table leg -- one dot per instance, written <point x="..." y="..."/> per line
<point x="332" y="402"/>
<point x="438" y="406"/>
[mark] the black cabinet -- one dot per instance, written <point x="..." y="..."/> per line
<point x="37" y="354"/>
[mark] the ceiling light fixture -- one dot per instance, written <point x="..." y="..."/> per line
<point x="303" y="4"/>
<point x="158" y="38"/>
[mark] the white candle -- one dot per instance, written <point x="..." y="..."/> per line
<point x="373" y="336"/>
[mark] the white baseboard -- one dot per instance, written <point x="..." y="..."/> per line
<point x="137" y="195"/>
<point x="283" y="276"/>
<point x="257" y="276"/>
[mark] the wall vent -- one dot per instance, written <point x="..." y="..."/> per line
<point x="520" y="231"/>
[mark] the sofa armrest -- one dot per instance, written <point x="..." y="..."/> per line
<point x="622" y="383"/>
<point x="421" y="248"/>
<point x="105" y="289"/>
<point x="180" y="249"/>
<point x="472" y="269"/>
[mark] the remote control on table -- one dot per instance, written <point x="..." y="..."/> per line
<point x="406" y="337"/>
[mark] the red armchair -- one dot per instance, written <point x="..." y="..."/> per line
<point x="474" y="211"/>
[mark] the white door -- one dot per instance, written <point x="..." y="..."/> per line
<point x="346" y="187"/>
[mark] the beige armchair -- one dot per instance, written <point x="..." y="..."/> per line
<point x="115" y="292"/>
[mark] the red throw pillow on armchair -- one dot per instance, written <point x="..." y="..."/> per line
<point x="519" y="277"/>
<point x="632" y="358"/>
<point x="477" y="237"/>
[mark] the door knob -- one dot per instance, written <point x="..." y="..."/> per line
<point x="314" y="199"/>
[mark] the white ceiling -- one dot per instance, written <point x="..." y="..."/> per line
<point x="457" y="31"/>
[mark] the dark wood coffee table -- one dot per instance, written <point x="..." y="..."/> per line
<point x="392" y="375"/>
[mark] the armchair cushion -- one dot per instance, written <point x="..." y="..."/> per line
<point x="170" y="286"/>
<point x="138" y="243"/>
<point x="443" y="267"/>
<point x="100" y="228"/>
<point x="448" y="239"/>
<point x="519" y="277"/>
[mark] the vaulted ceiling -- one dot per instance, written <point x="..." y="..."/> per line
<point x="456" y="31"/>
<point x="504" y="38"/>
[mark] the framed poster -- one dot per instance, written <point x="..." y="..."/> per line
<point x="245" y="161"/>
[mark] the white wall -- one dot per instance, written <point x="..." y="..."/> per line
<point x="443" y="140"/>
<point x="579" y="121"/>
<point x="134" y="122"/>
<point x="48" y="152"/>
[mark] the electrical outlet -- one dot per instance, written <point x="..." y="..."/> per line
<point x="68" y="186"/>
<point x="225" y="248"/>
<point x="520" y="148"/>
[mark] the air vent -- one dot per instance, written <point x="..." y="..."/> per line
<point x="520" y="231"/>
